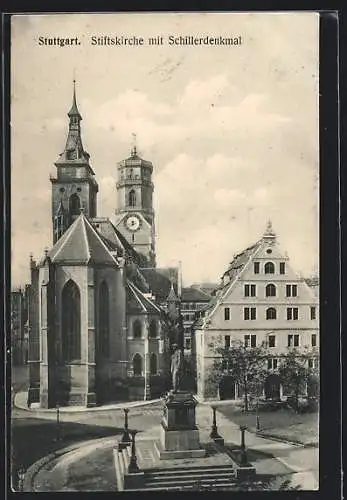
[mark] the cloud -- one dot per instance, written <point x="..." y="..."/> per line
<point x="233" y="134"/>
<point x="196" y="113"/>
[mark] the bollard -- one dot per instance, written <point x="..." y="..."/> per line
<point x="21" y="475"/>
<point x="126" y="436"/>
<point x="58" y="436"/>
<point x="214" y="430"/>
<point x="243" y="446"/>
<point x="133" y="467"/>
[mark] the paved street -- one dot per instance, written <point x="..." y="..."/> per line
<point x="91" y="465"/>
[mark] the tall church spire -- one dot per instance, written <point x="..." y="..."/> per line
<point x="75" y="186"/>
<point x="74" y="148"/>
<point x="74" y="110"/>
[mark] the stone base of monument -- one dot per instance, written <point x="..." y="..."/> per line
<point x="179" y="436"/>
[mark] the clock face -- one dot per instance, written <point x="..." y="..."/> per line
<point x="132" y="223"/>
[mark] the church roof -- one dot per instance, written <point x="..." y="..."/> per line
<point x="190" y="294"/>
<point x="105" y="227"/>
<point x="81" y="244"/>
<point x="160" y="279"/>
<point x="138" y="302"/>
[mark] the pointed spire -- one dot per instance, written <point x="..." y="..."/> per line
<point x="172" y="297"/>
<point x="74" y="110"/>
<point x="269" y="232"/>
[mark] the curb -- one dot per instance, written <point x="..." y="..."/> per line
<point x="37" y="466"/>
<point x="283" y="440"/>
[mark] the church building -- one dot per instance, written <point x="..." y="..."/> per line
<point x="97" y="331"/>
<point x="261" y="300"/>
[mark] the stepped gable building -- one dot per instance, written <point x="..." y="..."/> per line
<point x="98" y="331"/>
<point x="260" y="299"/>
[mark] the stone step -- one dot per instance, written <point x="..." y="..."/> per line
<point x="192" y="479"/>
<point x="192" y="468"/>
<point x="191" y="476"/>
<point x="220" y="486"/>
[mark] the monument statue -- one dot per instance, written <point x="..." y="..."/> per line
<point x="177" y="368"/>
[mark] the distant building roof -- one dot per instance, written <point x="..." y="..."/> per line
<point x="208" y="288"/>
<point x="191" y="294"/>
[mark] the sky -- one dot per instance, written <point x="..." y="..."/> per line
<point x="232" y="131"/>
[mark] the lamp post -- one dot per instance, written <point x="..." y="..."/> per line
<point x="214" y="430"/>
<point x="257" y="416"/>
<point x="58" y="436"/>
<point x="126" y="436"/>
<point x="243" y="428"/>
<point x="133" y="467"/>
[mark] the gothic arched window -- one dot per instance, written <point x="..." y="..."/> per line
<point x="153" y="329"/>
<point x="74" y="204"/>
<point x="71" y="322"/>
<point x="137" y="364"/>
<point x="271" y="313"/>
<point x="153" y="364"/>
<point x="269" y="268"/>
<point x="270" y="290"/>
<point x="132" y="198"/>
<point x="137" y="329"/>
<point x="104" y="321"/>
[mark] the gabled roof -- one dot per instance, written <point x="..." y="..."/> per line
<point x="139" y="303"/>
<point x="81" y="244"/>
<point x="191" y="294"/>
<point x="239" y="262"/>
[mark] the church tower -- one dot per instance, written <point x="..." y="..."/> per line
<point x="74" y="188"/>
<point x="135" y="214"/>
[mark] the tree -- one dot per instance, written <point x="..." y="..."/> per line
<point x="295" y="373"/>
<point x="246" y="365"/>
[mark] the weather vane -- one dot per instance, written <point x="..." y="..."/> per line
<point x="133" y="150"/>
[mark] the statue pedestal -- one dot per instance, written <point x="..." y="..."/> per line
<point x="179" y="435"/>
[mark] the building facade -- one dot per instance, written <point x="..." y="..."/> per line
<point x="19" y="326"/>
<point x="98" y="332"/>
<point x="192" y="302"/>
<point x="260" y="301"/>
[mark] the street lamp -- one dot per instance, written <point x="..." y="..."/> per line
<point x="133" y="467"/>
<point x="214" y="430"/>
<point x="257" y="416"/>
